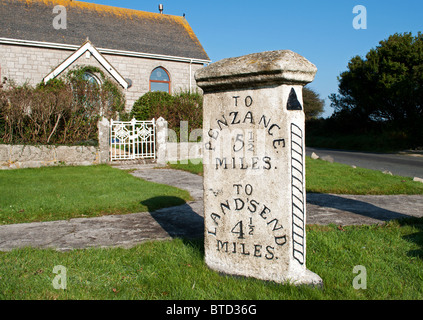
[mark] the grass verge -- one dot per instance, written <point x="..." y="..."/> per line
<point x="325" y="177"/>
<point x="57" y="193"/>
<point x="194" y="166"/>
<point x="391" y="254"/>
<point x="337" y="178"/>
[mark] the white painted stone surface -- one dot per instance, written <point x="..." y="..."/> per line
<point x="254" y="166"/>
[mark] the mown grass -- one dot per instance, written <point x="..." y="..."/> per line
<point x="337" y="178"/>
<point x="194" y="166"/>
<point x="392" y="255"/>
<point x="56" y="193"/>
<point x="325" y="177"/>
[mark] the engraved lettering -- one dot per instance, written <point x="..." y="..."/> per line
<point x="269" y="255"/>
<point x="227" y="206"/>
<point x="279" y="142"/>
<point x="253" y="204"/>
<point x="235" y="115"/>
<point x="221" y="245"/>
<point x="265" y="211"/>
<point x="249" y="116"/>
<point x="271" y="127"/>
<point x="257" y="248"/>
<point x="263" y="118"/>
<point x="248" y="101"/>
<point x="275" y="224"/>
<point x="239" y="204"/>
<point x="220" y="162"/>
<point x="245" y="253"/>
<point x="224" y="122"/>
<point x="214" y="217"/>
<point x="280" y="241"/>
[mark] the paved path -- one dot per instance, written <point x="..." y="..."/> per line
<point x="401" y="164"/>
<point x="187" y="220"/>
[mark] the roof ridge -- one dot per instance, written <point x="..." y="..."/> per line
<point x="120" y="12"/>
<point x="102" y="8"/>
<point x="178" y="26"/>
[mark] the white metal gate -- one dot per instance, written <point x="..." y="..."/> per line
<point x="132" y="140"/>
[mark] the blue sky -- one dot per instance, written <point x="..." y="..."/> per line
<point x="321" y="31"/>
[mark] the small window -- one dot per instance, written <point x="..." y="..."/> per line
<point x="86" y="92"/>
<point x="160" y="80"/>
<point x="92" y="79"/>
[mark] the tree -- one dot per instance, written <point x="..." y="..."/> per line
<point x="384" y="87"/>
<point x="313" y="105"/>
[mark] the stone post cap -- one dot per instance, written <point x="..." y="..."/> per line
<point x="256" y="70"/>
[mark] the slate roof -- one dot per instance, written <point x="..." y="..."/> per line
<point x="105" y="26"/>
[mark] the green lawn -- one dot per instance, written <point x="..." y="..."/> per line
<point x="56" y="193"/>
<point x="391" y="254"/>
<point x="195" y="167"/>
<point x="325" y="177"/>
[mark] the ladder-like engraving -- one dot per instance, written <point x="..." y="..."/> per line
<point x="297" y="168"/>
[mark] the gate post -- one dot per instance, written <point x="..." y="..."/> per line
<point x="161" y="141"/>
<point x="103" y="140"/>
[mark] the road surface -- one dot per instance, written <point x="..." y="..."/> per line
<point x="399" y="164"/>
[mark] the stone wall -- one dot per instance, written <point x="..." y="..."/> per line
<point x="29" y="64"/>
<point x="26" y="156"/>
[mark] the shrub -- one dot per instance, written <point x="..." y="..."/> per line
<point x="182" y="106"/>
<point x="152" y="105"/>
<point x="63" y="111"/>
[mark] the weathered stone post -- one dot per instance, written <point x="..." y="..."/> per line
<point x="103" y="140"/>
<point x="161" y="141"/>
<point x="254" y="166"/>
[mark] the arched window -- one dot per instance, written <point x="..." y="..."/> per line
<point x="160" y="80"/>
<point x="87" y="92"/>
<point x="91" y="79"/>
